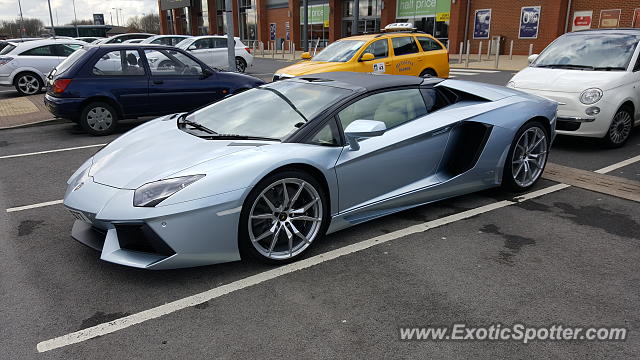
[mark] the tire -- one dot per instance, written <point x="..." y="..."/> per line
<point x="28" y="83"/>
<point x="428" y="73"/>
<point x="262" y="221"/>
<point x="620" y="129"/>
<point x="519" y="173"/>
<point x="241" y="64"/>
<point x="99" y="118"/>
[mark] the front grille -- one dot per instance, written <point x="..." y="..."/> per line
<point x="140" y="237"/>
<point x="568" y="125"/>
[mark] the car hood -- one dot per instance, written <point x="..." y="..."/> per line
<point x="563" y="80"/>
<point x="310" y="67"/>
<point x="156" y="151"/>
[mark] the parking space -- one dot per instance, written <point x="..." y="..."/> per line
<point x="556" y="255"/>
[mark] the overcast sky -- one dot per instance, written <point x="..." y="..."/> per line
<point x="84" y="8"/>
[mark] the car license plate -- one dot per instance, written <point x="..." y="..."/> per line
<point x="80" y="216"/>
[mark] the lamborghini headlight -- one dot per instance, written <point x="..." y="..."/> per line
<point x="590" y="96"/>
<point x="151" y="194"/>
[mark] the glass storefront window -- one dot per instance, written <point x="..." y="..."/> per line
<point x="318" y="21"/>
<point x="429" y="16"/>
<point x="368" y="17"/>
<point x="248" y="20"/>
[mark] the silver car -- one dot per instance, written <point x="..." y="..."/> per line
<point x="268" y="171"/>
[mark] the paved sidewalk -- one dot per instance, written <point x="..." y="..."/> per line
<point x="517" y="63"/>
<point x="19" y="111"/>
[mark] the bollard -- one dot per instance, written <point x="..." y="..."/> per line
<point x="468" y="51"/>
<point x="530" y="49"/>
<point x="511" y="51"/>
<point x="447" y="45"/>
<point x="489" y="43"/>
<point x="460" y="58"/>
<point x="273" y="49"/>
<point x="293" y="51"/>
<point x="262" y="48"/>
<point x="480" y="51"/>
<point x="497" y="53"/>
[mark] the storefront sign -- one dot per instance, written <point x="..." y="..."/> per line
<point x="482" y="24"/>
<point x="420" y="8"/>
<point x="174" y="4"/>
<point x="609" y="18"/>
<point x="318" y="14"/>
<point x="582" y="20"/>
<point x="636" y="18"/>
<point x="529" y="22"/>
<point x="98" y="19"/>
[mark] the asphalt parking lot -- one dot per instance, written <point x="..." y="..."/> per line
<point x="556" y="255"/>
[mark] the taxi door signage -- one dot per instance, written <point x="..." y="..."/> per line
<point x="404" y="65"/>
<point x="378" y="68"/>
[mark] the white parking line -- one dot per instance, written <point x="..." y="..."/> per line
<point x="34" y="206"/>
<point x="168" y="308"/>
<point x="50" y="151"/>
<point x="619" y="165"/>
<point x="462" y="73"/>
<point x="476" y="70"/>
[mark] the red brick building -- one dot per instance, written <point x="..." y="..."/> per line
<point x="526" y="23"/>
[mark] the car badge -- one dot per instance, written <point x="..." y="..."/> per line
<point x="78" y="186"/>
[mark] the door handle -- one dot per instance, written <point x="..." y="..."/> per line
<point x="158" y="82"/>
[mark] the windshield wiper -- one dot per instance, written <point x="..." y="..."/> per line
<point x="609" y="68"/>
<point x="566" y="66"/>
<point x="239" y="137"/>
<point x="280" y="95"/>
<point x="182" y="120"/>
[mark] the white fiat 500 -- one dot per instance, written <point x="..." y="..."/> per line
<point x="594" y="76"/>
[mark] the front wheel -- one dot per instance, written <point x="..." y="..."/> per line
<point x="282" y="217"/>
<point x="241" y="65"/>
<point x="620" y="129"/>
<point x="527" y="157"/>
<point x="98" y="118"/>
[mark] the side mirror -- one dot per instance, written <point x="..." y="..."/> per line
<point x="360" y="129"/>
<point x="191" y="48"/>
<point x="367" y="57"/>
<point x="206" y="72"/>
<point x="305" y="56"/>
<point x="533" y="58"/>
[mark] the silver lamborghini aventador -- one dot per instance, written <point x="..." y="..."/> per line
<point x="269" y="171"/>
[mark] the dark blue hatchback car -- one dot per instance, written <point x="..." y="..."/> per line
<point x="98" y="85"/>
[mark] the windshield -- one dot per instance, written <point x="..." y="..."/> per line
<point x="7" y="49"/>
<point x="70" y="60"/>
<point x="590" y="52"/>
<point x="184" y="43"/>
<point x="272" y="111"/>
<point x="339" y="51"/>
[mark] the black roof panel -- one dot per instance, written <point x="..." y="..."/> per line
<point x="355" y="80"/>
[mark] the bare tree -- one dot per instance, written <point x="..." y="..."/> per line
<point x="81" y="22"/>
<point x="31" y="27"/>
<point x="150" y="23"/>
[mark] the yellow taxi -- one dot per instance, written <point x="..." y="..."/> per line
<point x="396" y="51"/>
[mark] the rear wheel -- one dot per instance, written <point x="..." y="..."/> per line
<point x="28" y="84"/>
<point x="282" y="217"/>
<point x="527" y="157"/>
<point x="620" y="129"/>
<point x="428" y="73"/>
<point x="99" y="118"/>
<point x="241" y="65"/>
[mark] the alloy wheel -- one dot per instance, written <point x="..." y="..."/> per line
<point x="241" y="66"/>
<point x="99" y="118"/>
<point x="529" y="157"/>
<point x="620" y="127"/>
<point x="28" y="84"/>
<point x="285" y="218"/>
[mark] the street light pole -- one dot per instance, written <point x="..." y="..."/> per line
<point x="117" y="17"/>
<point x="53" y="29"/>
<point x="356" y="16"/>
<point x="231" y="41"/>
<point x="21" y="19"/>
<point x="76" y="17"/>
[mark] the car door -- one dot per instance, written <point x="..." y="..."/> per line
<point x="403" y="159"/>
<point x="434" y="55"/>
<point x="181" y="86"/>
<point x="406" y="56"/>
<point x="203" y="50"/>
<point x="636" y="88"/>
<point x="122" y="76"/>
<point x="382" y="62"/>
<point x="43" y="58"/>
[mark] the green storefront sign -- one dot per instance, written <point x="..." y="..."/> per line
<point x="318" y="14"/>
<point x="411" y="8"/>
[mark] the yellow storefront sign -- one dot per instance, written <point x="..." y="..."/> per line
<point x="444" y="16"/>
<point x="326" y="23"/>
